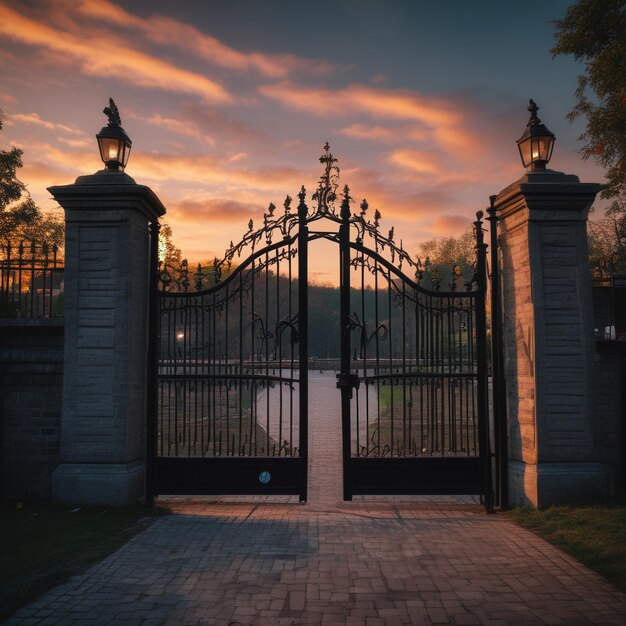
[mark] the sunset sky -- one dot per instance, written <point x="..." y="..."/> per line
<point x="228" y="103"/>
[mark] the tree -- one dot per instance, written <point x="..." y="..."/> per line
<point x="20" y="218"/>
<point x="594" y="32"/>
<point x="168" y="252"/>
<point x="444" y="257"/>
<point x="606" y="252"/>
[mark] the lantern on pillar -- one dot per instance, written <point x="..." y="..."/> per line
<point x="536" y="143"/>
<point x="113" y="142"/>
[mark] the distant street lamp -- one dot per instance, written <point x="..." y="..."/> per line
<point x="113" y="142"/>
<point x="536" y="144"/>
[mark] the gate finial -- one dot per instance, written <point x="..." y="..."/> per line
<point x="329" y="181"/>
<point x="302" y="207"/>
<point x="345" y="204"/>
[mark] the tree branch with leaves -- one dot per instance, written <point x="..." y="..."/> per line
<point x="594" y="32"/>
<point x="20" y="218"/>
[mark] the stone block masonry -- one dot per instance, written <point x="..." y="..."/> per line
<point x="31" y="385"/>
<point x="548" y="340"/>
<point x="107" y="268"/>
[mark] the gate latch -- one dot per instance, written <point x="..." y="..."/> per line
<point x="351" y="381"/>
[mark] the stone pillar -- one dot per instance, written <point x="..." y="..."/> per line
<point x="106" y="318"/>
<point x="548" y="339"/>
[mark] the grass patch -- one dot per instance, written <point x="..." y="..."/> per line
<point x="43" y="545"/>
<point x="593" y="535"/>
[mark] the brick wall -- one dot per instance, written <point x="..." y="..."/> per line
<point x="31" y="386"/>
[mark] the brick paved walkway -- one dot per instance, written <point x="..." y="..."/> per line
<point x="364" y="563"/>
<point x="377" y="561"/>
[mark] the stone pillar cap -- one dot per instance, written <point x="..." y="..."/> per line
<point x="547" y="190"/>
<point x="114" y="186"/>
<point x="558" y="182"/>
<point x="105" y="177"/>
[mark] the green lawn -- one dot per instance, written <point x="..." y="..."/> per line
<point x="42" y="545"/>
<point x="593" y="535"/>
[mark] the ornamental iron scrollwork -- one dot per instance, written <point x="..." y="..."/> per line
<point x="369" y="236"/>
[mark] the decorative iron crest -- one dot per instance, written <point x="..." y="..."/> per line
<point x="325" y="195"/>
<point x="369" y="236"/>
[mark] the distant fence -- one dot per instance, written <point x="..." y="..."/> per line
<point x="31" y="280"/>
<point x="609" y="304"/>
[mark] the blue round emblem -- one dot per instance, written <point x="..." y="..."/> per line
<point x="265" y="477"/>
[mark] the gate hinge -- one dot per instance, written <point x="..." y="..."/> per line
<point x="348" y="380"/>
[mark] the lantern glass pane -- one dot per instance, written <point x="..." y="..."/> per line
<point x="125" y="153"/>
<point x="545" y="147"/>
<point x="109" y="149"/>
<point x="525" y="151"/>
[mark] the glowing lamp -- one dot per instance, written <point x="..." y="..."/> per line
<point x="536" y="143"/>
<point x="113" y="142"/>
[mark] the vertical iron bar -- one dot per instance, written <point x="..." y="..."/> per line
<point x="252" y="428"/>
<point x="213" y="380"/>
<point x="376" y="323"/>
<point x="303" y="324"/>
<point x="481" y="354"/>
<point x="291" y="354"/>
<point x="497" y="367"/>
<point x="267" y="355"/>
<point x="278" y="352"/>
<point x="153" y="364"/>
<point x="390" y="346"/>
<point x="364" y="349"/>
<point x="346" y="389"/>
<point x="226" y="376"/>
<point x="240" y="383"/>
<point x="404" y="421"/>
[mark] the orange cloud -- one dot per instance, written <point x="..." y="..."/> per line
<point x="216" y="171"/>
<point x="76" y="143"/>
<point x="460" y="142"/>
<point x="363" y="131"/>
<point x="385" y="103"/>
<point x="218" y="123"/>
<point x="167" y="31"/>
<point x="420" y="161"/>
<point x="120" y="61"/>
<point x="427" y="167"/>
<point x="33" y="118"/>
<point x="181" y="127"/>
<point x="450" y="224"/>
<point x="391" y="134"/>
<point x="6" y="98"/>
<point x="215" y="209"/>
<point x="42" y="174"/>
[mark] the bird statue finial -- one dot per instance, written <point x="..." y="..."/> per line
<point x="112" y="112"/>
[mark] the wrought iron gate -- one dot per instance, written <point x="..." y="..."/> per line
<point x="229" y="356"/>
<point x="229" y="367"/>
<point x="413" y="369"/>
